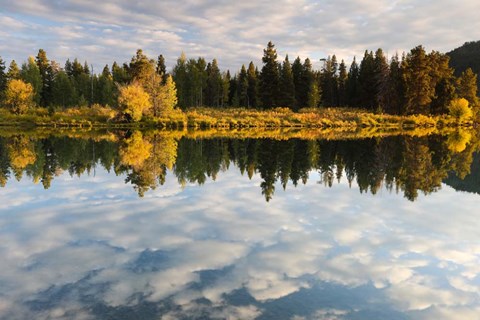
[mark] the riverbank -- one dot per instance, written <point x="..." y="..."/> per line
<point x="342" y="119"/>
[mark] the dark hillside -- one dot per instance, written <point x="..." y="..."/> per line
<point x="466" y="56"/>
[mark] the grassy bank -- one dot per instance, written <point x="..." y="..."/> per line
<point x="340" y="119"/>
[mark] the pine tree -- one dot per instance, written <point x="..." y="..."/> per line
<point x="106" y="88"/>
<point x="342" y="84"/>
<point x="30" y="73"/>
<point x="395" y="89"/>
<point x="13" y="71"/>
<point x="418" y="82"/>
<point x="467" y="87"/>
<point x="233" y="92"/>
<point x="119" y="74"/>
<point x="381" y="79"/>
<point x="299" y="88"/>
<point x="252" y="91"/>
<point x="46" y="73"/>
<point x="141" y="68"/>
<point x="367" y="82"/>
<point x="180" y="78"/>
<point x="68" y="68"/>
<point x="312" y="93"/>
<point x="213" y="91"/>
<point x="269" y="77"/>
<point x="242" y="90"/>
<point x="442" y="82"/>
<point x="161" y="68"/>
<point x="444" y="94"/>
<point x="64" y="94"/>
<point x="353" y="85"/>
<point x="225" y="89"/>
<point x="329" y="82"/>
<point x="287" y="87"/>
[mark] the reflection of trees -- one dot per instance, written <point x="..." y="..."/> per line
<point x="146" y="160"/>
<point x="408" y="164"/>
<point x="21" y="152"/>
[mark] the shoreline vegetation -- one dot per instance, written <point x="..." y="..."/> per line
<point x="336" y="119"/>
<point x="417" y="91"/>
<point x="99" y="133"/>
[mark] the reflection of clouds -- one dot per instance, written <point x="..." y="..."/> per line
<point x="423" y="260"/>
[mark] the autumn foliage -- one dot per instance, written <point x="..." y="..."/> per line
<point x="18" y="96"/>
<point x="133" y="101"/>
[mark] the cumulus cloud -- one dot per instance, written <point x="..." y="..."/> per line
<point x="210" y="242"/>
<point x="233" y="33"/>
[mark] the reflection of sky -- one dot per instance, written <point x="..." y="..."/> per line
<point x="89" y="246"/>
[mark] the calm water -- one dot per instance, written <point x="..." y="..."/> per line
<point x="147" y="226"/>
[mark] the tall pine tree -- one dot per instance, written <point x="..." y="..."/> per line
<point x="269" y="77"/>
<point x="252" y="91"/>
<point x="287" y="87"/>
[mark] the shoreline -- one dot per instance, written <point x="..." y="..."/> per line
<point x="342" y="119"/>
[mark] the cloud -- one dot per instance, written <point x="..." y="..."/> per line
<point x="213" y="241"/>
<point x="232" y="33"/>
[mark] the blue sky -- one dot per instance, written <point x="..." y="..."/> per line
<point x="233" y="32"/>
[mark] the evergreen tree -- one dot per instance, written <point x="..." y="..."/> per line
<point x="418" y="82"/>
<point x="213" y="91"/>
<point x="141" y="68"/>
<point x="242" y="83"/>
<point x="353" y="85"/>
<point x="225" y="89"/>
<point x="233" y="92"/>
<point x="81" y="81"/>
<point x="106" y="88"/>
<point x="30" y="73"/>
<point x="329" y="82"/>
<point x="180" y="78"/>
<point x="444" y="94"/>
<point x="269" y="77"/>
<point x="119" y="74"/>
<point x="299" y="87"/>
<point x="312" y="98"/>
<point x="46" y="72"/>
<point x="287" y="87"/>
<point x="367" y="82"/>
<point x="342" y="84"/>
<point x="442" y="82"/>
<point x="394" y="104"/>
<point x="64" y="94"/>
<point x="381" y="80"/>
<point x="13" y="71"/>
<point x="161" y="68"/>
<point x="252" y="91"/>
<point x="467" y="87"/>
<point x="68" y="68"/>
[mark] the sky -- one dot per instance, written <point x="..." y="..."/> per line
<point x="234" y="32"/>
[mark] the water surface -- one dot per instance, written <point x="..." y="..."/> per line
<point x="147" y="226"/>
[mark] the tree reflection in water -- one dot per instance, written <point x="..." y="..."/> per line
<point x="408" y="164"/>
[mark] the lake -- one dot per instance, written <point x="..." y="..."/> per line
<point x="157" y="225"/>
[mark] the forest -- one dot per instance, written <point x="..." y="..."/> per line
<point x="415" y="83"/>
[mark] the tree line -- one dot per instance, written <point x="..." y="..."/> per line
<point x="415" y="83"/>
<point x="407" y="164"/>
